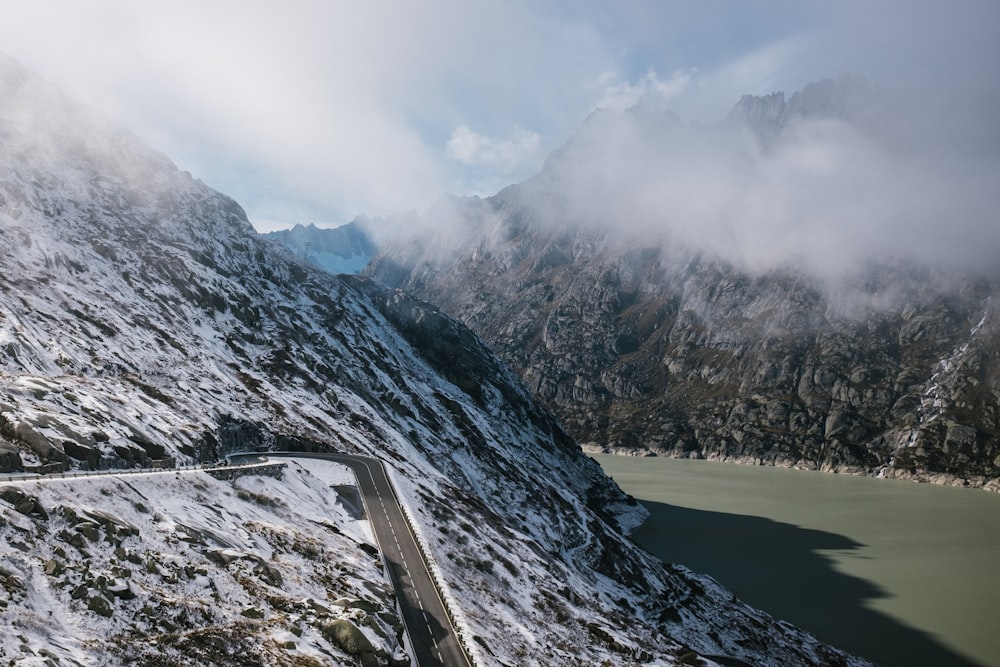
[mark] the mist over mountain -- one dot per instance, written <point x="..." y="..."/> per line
<point x="842" y="173"/>
<point x="808" y="282"/>
<point x="143" y="322"/>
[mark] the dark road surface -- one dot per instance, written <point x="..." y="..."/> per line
<point x="434" y="639"/>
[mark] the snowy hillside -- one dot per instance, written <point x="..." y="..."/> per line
<point x="185" y="568"/>
<point x="144" y="322"/>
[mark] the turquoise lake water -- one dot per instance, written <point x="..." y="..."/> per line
<point x="901" y="573"/>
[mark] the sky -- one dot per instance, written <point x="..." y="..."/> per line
<point x="317" y="111"/>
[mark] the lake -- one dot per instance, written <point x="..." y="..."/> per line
<point x="901" y="573"/>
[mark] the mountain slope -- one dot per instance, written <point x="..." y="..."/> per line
<point x="727" y="292"/>
<point x="142" y="321"/>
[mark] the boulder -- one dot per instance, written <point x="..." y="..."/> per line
<point x="100" y="606"/>
<point x="959" y="438"/>
<point x="122" y="589"/>
<point x="39" y="444"/>
<point x="10" y="458"/>
<point x="54" y="567"/>
<point x="81" y="452"/>
<point x="350" y="639"/>
<point x="23" y="503"/>
<point x="268" y="573"/>
<point x="112" y="523"/>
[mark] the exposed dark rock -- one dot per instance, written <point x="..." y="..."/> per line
<point x="81" y="452"/>
<point x="48" y="451"/>
<point x="10" y="458"/>
<point x="153" y="450"/>
<point x="100" y="605"/>
<point x="53" y="567"/>
<point x="88" y="529"/>
<point x="351" y="640"/>
<point x="268" y="573"/>
<point x="112" y="523"/>
<point x="23" y="503"/>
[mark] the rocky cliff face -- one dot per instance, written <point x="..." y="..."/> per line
<point x="644" y="341"/>
<point x="143" y="322"/>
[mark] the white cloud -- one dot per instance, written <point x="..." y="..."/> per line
<point x="330" y="109"/>
<point x="650" y="88"/>
<point x="338" y="108"/>
<point x="471" y="148"/>
<point x="294" y="99"/>
<point x="776" y="66"/>
<point x="825" y="197"/>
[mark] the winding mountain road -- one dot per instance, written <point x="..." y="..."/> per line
<point x="435" y="641"/>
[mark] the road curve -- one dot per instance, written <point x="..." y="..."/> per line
<point x="435" y="641"/>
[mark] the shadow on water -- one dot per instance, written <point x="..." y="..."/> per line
<point x="780" y="568"/>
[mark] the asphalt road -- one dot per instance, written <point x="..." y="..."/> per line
<point x="434" y="639"/>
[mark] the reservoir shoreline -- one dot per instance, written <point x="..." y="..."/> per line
<point x="991" y="484"/>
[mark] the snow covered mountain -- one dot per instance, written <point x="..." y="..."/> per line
<point x="344" y="249"/>
<point x="810" y="282"/>
<point x="143" y="322"/>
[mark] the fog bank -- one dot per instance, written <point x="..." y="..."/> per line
<point x="825" y="188"/>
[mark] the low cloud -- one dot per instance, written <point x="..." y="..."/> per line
<point x="475" y="149"/>
<point x="650" y="88"/>
<point x="827" y="195"/>
<point x="331" y="109"/>
<point x="321" y="110"/>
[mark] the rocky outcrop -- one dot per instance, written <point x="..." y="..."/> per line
<point x="10" y="457"/>
<point x="47" y="451"/>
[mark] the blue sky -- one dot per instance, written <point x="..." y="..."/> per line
<point x="317" y="111"/>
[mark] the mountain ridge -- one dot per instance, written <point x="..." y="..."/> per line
<point x="684" y="332"/>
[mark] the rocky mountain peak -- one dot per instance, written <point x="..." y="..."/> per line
<point x="827" y="98"/>
<point x="343" y="249"/>
<point x="845" y="97"/>
<point x="850" y="98"/>
<point x="759" y="109"/>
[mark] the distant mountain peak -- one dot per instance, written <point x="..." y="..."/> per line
<point x="344" y="249"/>
<point x="850" y="97"/>
<point x="760" y="109"/>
